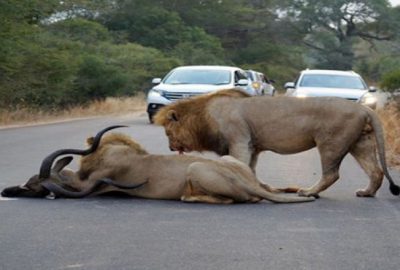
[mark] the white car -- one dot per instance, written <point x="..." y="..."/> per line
<point x="188" y="81"/>
<point x="260" y="83"/>
<point x="332" y="83"/>
<point x="268" y="88"/>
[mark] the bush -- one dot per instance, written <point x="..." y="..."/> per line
<point x="391" y="81"/>
<point x="96" y="80"/>
<point x="41" y="74"/>
<point x="139" y="64"/>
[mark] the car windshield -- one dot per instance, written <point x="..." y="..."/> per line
<point x="250" y="75"/>
<point x="199" y="76"/>
<point x="332" y="81"/>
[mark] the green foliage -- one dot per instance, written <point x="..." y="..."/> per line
<point x="39" y="73"/>
<point x="136" y="63"/>
<point x="199" y="48"/>
<point x="96" y="80"/>
<point x="391" y="81"/>
<point x="59" y="53"/>
<point x="331" y="28"/>
<point x="56" y="66"/>
<point x="80" y="30"/>
<point x="151" y="25"/>
<point x="148" y="25"/>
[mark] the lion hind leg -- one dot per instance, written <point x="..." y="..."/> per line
<point x="364" y="152"/>
<point x="218" y="180"/>
<point x="194" y="193"/>
<point x="206" y="199"/>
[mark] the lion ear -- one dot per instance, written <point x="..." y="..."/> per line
<point x="172" y="115"/>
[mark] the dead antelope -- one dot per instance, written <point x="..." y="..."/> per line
<point x="117" y="163"/>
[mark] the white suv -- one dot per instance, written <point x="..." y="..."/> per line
<point x="188" y="81"/>
<point x="334" y="83"/>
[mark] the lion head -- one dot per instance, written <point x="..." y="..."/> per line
<point x="188" y="125"/>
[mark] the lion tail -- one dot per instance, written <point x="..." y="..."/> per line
<point x="380" y="142"/>
<point x="276" y="197"/>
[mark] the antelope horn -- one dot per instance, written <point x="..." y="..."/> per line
<point x="47" y="163"/>
<point x="60" y="191"/>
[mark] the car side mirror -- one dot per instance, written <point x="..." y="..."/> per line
<point x="156" y="81"/>
<point x="242" y="82"/>
<point x="289" y="85"/>
<point x="372" y="89"/>
<point x="271" y="81"/>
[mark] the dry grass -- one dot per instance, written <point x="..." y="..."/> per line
<point x="110" y="106"/>
<point x="390" y="117"/>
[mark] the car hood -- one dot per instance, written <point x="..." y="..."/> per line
<point x="354" y="94"/>
<point x="193" y="88"/>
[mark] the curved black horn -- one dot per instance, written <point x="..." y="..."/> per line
<point x="47" y="163"/>
<point x="62" y="192"/>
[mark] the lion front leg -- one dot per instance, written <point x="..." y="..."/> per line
<point x="244" y="153"/>
<point x="326" y="181"/>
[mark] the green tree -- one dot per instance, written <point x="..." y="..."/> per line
<point x="52" y="63"/>
<point x="79" y="29"/>
<point x="332" y="28"/>
<point x="151" y="24"/>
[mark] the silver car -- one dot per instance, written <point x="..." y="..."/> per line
<point x="333" y="83"/>
<point x="260" y="84"/>
<point x="188" y="81"/>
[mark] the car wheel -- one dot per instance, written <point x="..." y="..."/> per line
<point x="151" y="120"/>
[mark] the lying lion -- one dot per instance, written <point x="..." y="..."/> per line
<point x="117" y="163"/>
<point x="243" y="126"/>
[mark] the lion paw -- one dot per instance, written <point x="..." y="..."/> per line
<point x="364" y="193"/>
<point x="307" y="193"/>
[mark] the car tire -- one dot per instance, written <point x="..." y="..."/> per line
<point x="151" y="120"/>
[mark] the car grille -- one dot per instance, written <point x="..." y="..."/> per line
<point x="352" y="99"/>
<point x="179" y="95"/>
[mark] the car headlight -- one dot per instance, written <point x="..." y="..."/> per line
<point x="156" y="92"/>
<point x="256" y="85"/>
<point x="301" y="95"/>
<point x="368" y="99"/>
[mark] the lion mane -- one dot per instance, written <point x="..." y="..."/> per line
<point x="198" y="130"/>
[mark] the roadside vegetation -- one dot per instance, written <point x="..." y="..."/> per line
<point x="107" y="107"/>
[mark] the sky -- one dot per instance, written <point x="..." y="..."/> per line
<point x="394" y="2"/>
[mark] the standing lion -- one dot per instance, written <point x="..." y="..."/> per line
<point x="231" y="123"/>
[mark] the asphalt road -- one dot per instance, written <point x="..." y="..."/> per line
<point x="338" y="231"/>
